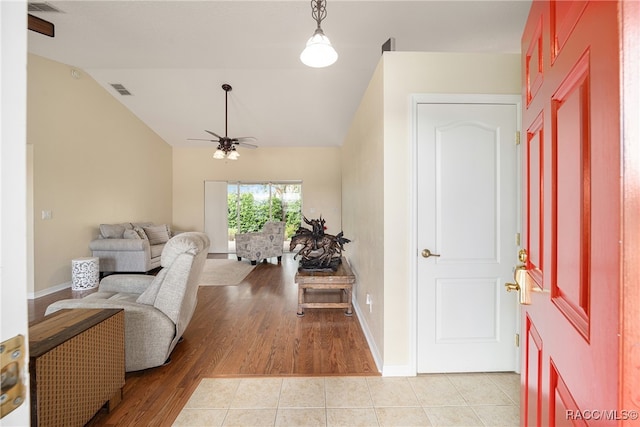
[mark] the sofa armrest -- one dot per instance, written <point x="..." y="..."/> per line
<point x="118" y="244"/>
<point x="148" y="332"/>
<point x="127" y="283"/>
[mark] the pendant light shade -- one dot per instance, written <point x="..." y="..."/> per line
<point x="318" y="53"/>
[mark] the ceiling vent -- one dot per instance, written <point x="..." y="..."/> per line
<point x="42" y="7"/>
<point x="120" y="89"/>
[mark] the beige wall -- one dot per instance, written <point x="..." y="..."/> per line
<point x="363" y="205"/>
<point x="404" y="74"/>
<point x="318" y="168"/>
<point x="93" y="162"/>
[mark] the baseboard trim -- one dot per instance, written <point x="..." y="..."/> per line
<point x="398" y="371"/>
<point x="368" y="335"/>
<point x="48" y="291"/>
<point x="385" y="370"/>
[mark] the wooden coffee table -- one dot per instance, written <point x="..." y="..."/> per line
<point x="342" y="280"/>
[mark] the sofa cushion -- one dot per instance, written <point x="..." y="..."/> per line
<point x="114" y="231"/>
<point x="131" y="234"/>
<point x="157" y="234"/>
<point x="113" y="296"/>
<point x="142" y="224"/>
<point x="140" y="232"/>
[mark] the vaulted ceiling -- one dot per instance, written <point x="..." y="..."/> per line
<point x="173" y="56"/>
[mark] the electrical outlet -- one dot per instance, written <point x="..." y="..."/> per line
<point x="369" y="302"/>
<point x="47" y="215"/>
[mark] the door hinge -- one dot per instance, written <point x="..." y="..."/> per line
<point x="517" y="340"/>
<point x="517" y="239"/>
<point x="517" y="137"/>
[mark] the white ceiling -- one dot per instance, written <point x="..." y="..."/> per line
<point x="173" y="56"/>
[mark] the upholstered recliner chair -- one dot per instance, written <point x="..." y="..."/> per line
<point x="262" y="244"/>
<point x="157" y="309"/>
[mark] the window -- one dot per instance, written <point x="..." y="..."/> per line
<point x="250" y="205"/>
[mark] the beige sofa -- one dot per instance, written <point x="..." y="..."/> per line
<point x="130" y="247"/>
<point x="157" y="308"/>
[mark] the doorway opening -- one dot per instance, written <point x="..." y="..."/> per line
<point x="251" y="204"/>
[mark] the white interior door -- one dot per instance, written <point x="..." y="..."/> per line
<point x="467" y="217"/>
<point x="215" y="216"/>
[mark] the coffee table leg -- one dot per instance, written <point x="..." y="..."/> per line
<point x="349" y="311"/>
<point x="300" y="312"/>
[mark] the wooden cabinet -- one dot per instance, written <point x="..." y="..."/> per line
<point x="76" y="364"/>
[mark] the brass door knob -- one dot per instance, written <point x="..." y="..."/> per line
<point x="426" y="253"/>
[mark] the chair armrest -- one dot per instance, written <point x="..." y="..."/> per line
<point x="127" y="283"/>
<point x="119" y="244"/>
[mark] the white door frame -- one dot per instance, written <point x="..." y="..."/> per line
<point x="448" y="98"/>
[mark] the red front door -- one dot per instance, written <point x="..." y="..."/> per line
<point x="571" y="205"/>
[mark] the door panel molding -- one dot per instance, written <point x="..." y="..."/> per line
<point x="454" y="296"/>
<point x="534" y="198"/>
<point x="534" y="61"/>
<point x="571" y="249"/>
<point x="532" y="380"/>
<point x="477" y="180"/>
<point x="562" y="405"/>
<point x="564" y="16"/>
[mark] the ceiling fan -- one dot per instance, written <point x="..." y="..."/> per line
<point x="227" y="145"/>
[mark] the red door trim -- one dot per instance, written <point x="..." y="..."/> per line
<point x="630" y="294"/>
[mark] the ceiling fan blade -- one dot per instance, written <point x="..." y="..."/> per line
<point x="244" y="138"/>
<point x="41" y="26"/>
<point x="245" y="145"/>
<point x="200" y="139"/>
<point x="214" y="134"/>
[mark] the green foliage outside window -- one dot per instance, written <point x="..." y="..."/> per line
<point x="293" y="218"/>
<point x="254" y="214"/>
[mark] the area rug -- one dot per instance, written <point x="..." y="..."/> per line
<point x="224" y="272"/>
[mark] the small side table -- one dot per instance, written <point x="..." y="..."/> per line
<point x="85" y="273"/>
<point x="341" y="280"/>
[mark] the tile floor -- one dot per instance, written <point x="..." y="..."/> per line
<point x="479" y="399"/>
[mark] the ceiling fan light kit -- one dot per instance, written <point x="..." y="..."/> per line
<point x="231" y="154"/>
<point x="318" y="52"/>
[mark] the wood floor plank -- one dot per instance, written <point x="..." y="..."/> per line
<point x="246" y="330"/>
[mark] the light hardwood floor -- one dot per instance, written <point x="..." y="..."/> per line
<point x="240" y="331"/>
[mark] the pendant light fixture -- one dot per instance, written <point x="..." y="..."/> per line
<point x="318" y="53"/>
